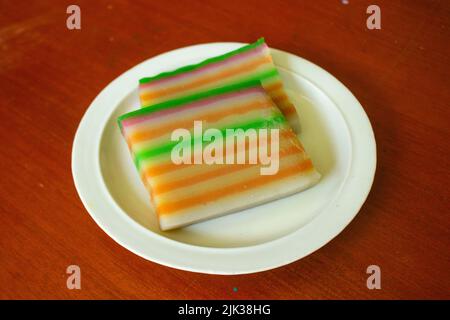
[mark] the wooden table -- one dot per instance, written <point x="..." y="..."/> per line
<point x="400" y="74"/>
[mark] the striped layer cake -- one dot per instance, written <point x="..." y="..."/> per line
<point x="182" y="194"/>
<point x="251" y="62"/>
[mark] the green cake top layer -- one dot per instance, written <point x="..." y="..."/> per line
<point x="203" y="63"/>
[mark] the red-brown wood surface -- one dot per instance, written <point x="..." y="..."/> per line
<point x="49" y="75"/>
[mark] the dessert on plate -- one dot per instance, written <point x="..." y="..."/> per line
<point x="217" y="151"/>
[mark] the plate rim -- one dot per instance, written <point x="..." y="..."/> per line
<point x="203" y="254"/>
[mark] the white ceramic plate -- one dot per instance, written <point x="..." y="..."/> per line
<point x="335" y="131"/>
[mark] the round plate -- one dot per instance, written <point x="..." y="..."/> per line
<point x="335" y="132"/>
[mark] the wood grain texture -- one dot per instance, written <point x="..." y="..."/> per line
<point x="49" y="75"/>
